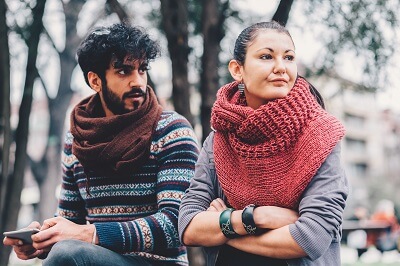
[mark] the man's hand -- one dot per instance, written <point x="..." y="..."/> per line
<point x="57" y="229"/>
<point x="24" y="251"/>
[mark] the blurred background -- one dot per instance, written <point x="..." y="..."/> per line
<point x="346" y="48"/>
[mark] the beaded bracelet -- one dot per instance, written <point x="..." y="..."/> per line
<point x="226" y="225"/>
<point x="248" y="219"/>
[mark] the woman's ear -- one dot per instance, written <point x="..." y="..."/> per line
<point x="235" y="69"/>
<point x="94" y="81"/>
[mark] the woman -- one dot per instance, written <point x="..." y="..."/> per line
<point x="268" y="187"/>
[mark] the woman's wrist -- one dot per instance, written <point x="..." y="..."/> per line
<point x="260" y="216"/>
<point x="272" y="217"/>
<point x="237" y="222"/>
<point x="226" y="224"/>
<point x="248" y="219"/>
<point x="242" y="222"/>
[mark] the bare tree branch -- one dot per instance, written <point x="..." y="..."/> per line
<point x="117" y="8"/>
<point x="282" y="12"/>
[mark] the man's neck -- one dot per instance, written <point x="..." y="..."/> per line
<point x="107" y="111"/>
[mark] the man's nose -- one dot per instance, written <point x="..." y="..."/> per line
<point x="138" y="80"/>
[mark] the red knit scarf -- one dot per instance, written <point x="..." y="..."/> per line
<point x="119" y="144"/>
<point x="269" y="155"/>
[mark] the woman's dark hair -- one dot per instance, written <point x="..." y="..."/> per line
<point x="317" y="95"/>
<point x="114" y="43"/>
<point x="249" y="34"/>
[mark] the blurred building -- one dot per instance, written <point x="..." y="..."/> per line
<point x="371" y="147"/>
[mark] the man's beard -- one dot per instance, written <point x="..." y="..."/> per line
<point x="115" y="104"/>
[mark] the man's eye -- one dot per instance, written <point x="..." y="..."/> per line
<point x="122" y="72"/>
<point x="144" y="68"/>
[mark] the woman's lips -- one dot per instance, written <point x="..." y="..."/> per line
<point x="279" y="82"/>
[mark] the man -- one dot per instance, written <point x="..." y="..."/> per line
<point x="126" y="165"/>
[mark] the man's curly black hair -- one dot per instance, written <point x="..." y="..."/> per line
<point x="114" y="43"/>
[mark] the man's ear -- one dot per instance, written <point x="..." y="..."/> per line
<point x="235" y="69"/>
<point x="94" y="81"/>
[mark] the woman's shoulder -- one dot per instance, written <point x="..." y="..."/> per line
<point x="208" y="144"/>
<point x="210" y="139"/>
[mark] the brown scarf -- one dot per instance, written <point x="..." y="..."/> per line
<point x="116" y="145"/>
<point x="269" y="155"/>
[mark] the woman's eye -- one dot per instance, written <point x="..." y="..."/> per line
<point x="289" y="57"/>
<point x="266" y="56"/>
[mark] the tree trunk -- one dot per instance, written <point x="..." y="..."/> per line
<point x="282" y="12"/>
<point x="50" y="176"/>
<point x="14" y="187"/>
<point x="5" y="128"/>
<point x="175" y="24"/>
<point x="213" y="32"/>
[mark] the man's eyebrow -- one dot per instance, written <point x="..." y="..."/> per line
<point x="118" y="65"/>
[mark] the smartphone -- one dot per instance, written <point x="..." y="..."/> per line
<point x="23" y="234"/>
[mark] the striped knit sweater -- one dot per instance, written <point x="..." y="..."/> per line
<point x="136" y="215"/>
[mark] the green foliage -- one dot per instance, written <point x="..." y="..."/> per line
<point x="366" y="27"/>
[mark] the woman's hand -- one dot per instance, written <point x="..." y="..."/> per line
<point x="217" y="205"/>
<point x="272" y="217"/>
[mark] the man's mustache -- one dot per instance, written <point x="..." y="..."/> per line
<point x="135" y="92"/>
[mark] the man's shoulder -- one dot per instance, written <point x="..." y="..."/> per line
<point x="174" y="127"/>
<point x="172" y="115"/>
<point x="69" y="138"/>
<point x="172" y="118"/>
<point x="67" y="157"/>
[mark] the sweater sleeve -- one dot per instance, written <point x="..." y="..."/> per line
<point x="177" y="152"/>
<point x="70" y="205"/>
<point x="321" y="208"/>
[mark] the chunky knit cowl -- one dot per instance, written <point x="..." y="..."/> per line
<point x="268" y="156"/>
<point x="115" y="145"/>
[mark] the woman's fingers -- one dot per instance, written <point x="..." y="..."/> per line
<point x="218" y="204"/>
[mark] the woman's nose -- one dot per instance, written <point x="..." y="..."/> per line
<point x="279" y="66"/>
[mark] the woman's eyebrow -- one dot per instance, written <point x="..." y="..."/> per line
<point x="272" y="50"/>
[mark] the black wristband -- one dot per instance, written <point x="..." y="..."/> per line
<point x="226" y="225"/>
<point x="248" y="219"/>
